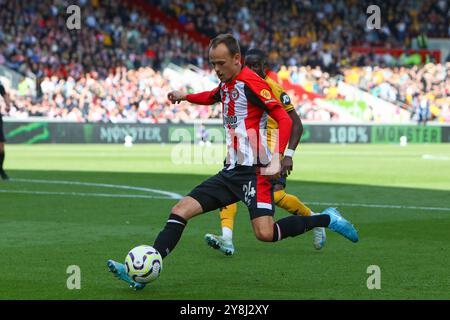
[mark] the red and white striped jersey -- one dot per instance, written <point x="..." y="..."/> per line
<point x="247" y="102"/>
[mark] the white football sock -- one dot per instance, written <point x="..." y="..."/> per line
<point x="227" y="233"/>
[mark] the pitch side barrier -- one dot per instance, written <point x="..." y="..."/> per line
<point x="108" y="133"/>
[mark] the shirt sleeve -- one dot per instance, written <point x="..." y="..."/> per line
<point x="205" y="98"/>
<point x="286" y="102"/>
<point x="282" y="96"/>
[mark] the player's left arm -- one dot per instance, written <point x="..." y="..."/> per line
<point x="296" y="134"/>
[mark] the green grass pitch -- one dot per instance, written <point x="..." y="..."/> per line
<point x="397" y="197"/>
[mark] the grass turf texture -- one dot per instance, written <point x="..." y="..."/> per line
<point x="42" y="234"/>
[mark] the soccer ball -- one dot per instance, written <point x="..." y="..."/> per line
<point x="143" y="264"/>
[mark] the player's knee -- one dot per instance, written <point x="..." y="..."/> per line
<point x="180" y="210"/>
<point x="186" y="208"/>
<point x="264" y="234"/>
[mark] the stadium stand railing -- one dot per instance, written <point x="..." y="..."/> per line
<point x="24" y="85"/>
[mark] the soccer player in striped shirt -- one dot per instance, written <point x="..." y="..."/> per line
<point x="247" y="102"/>
<point x="255" y="59"/>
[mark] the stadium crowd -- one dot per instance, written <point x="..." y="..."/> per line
<point x="306" y="32"/>
<point x="34" y="38"/>
<point x="110" y="69"/>
<point x="140" y="95"/>
<point x="415" y="88"/>
<point x="299" y="32"/>
<point x="125" y="95"/>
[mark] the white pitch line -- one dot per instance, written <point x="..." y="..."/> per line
<point x="177" y="196"/>
<point x="106" y="195"/>
<point x="389" y="206"/>
<point x="171" y="195"/>
<point x="432" y="157"/>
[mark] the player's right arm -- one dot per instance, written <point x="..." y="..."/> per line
<point x="204" y="98"/>
<point x="297" y="126"/>
<point x="260" y="94"/>
<point x="287" y="164"/>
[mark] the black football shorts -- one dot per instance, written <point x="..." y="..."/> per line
<point x="243" y="183"/>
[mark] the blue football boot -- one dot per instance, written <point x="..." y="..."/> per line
<point x="340" y="225"/>
<point x="118" y="269"/>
